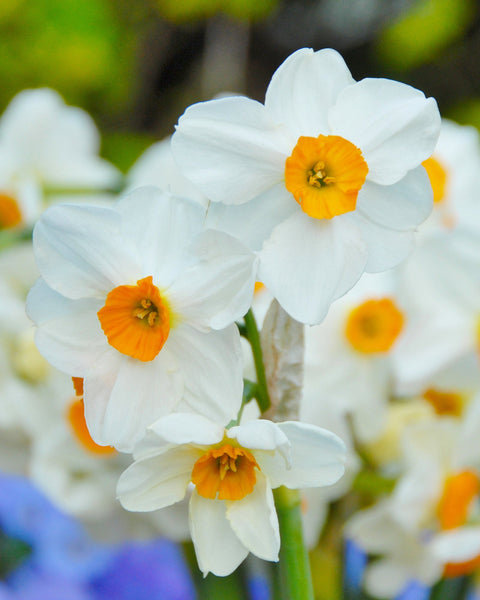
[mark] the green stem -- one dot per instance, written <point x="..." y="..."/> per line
<point x="253" y="336"/>
<point x="295" y="573"/>
<point x="446" y="589"/>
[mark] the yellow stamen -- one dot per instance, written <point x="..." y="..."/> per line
<point x="76" y="418"/>
<point x="374" y="326"/>
<point x="325" y="174"/>
<point x="438" y="178"/>
<point x="228" y="471"/>
<point x="10" y="215"/>
<point x="445" y="403"/>
<point x="136" y="319"/>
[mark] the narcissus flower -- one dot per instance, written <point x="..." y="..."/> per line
<point x="46" y="144"/>
<point x="325" y="179"/>
<point x="233" y="470"/>
<point x="129" y="299"/>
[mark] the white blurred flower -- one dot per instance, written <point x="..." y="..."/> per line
<point x="440" y="290"/>
<point x="348" y="357"/>
<point x="156" y="166"/>
<point x="453" y="172"/>
<point x="429" y="527"/>
<point x="234" y="470"/>
<point x="46" y="144"/>
<point x="324" y="179"/>
<point x="139" y="301"/>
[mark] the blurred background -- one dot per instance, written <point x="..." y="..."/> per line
<point x="135" y="66"/>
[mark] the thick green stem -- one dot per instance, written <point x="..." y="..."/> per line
<point x="295" y="573"/>
<point x="253" y="337"/>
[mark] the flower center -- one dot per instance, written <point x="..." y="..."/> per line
<point x="459" y="494"/>
<point x="227" y="471"/>
<point x="374" y="326"/>
<point x="136" y="319"/>
<point x="76" y="418"/>
<point x="445" y="403"/>
<point x="438" y="178"/>
<point x="325" y="174"/>
<point x="10" y="215"/>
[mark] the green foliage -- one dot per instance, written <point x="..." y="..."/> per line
<point x="12" y="553"/>
<point x="421" y="34"/>
<point x="189" y="10"/>
<point x="123" y="149"/>
<point x="79" y="48"/>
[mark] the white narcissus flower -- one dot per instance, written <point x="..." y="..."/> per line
<point x="325" y="179"/>
<point x="440" y="289"/>
<point x="348" y="367"/>
<point x="46" y="144"/>
<point x="139" y="301"/>
<point x="453" y="171"/>
<point x="428" y="528"/>
<point x="234" y="470"/>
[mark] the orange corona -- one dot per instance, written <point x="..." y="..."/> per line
<point x="228" y="471"/>
<point x="374" y="326"/>
<point x="325" y="174"/>
<point x="136" y="319"/>
<point x="438" y="178"/>
<point x="10" y="215"/>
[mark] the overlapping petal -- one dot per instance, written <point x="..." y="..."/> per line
<point x="393" y="124"/>
<point x="324" y="257"/>
<point x="158" y="481"/>
<point x="217" y="547"/>
<point x="80" y="251"/>
<point x="304" y="88"/>
<point x="254" y="520"/>
<point x="230" y="148"/>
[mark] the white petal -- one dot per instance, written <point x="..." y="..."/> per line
<point x="402" y="206"/>
<point x="261" y="434"/>
<point x="230" y="149"/>
<point x="211" y="367"/>
<point x="254" y="520"/>
<point x="69" y="333"/>
<point x="386" y="247"/>
<point x="218" y="289"/>
<point x="317" y="458"/>
<point x="162" y="227"/>
<point x="218" y="549"/>
<point x="123" y="396"/>
<point x="307" y="263"/>
<point x="393" y="124"/>
<point x="457" y="545"/>
<point x="80" y="251"/>
<point x="385" y="578"/>
<point x="186" y="428"/>
<point x="253" y="222"/>
<point x="158" y="481"/>
<point x="303" y="89"/>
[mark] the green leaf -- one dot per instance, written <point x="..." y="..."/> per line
<point x="12" y="553"/>
<point x="427" y="29"/>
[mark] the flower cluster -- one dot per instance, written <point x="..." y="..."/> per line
<point x="303" y="210"/>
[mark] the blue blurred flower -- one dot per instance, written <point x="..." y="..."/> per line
<point x="154" y="569"/>
<point x="355" y="561"/>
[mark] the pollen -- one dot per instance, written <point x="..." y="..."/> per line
<point x="373" y="327"/>
<point x="10" y="215"/>
<point x="78" y="425"/>
<point x="226" y="473"/>
<point x="445" y="403"/>
<point x="136" y="319"/>
<point x="438" y="178"/>
<point x="325" y="174"/>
